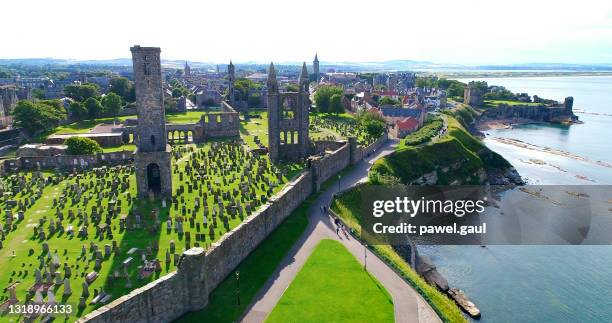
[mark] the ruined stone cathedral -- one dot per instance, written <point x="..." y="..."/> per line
<point x="288" y="119"/>
<point x="153" y="154"/>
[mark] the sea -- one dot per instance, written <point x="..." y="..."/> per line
<point x="544" y="283"/>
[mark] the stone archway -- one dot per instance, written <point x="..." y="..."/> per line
<point x="153" y="178"/>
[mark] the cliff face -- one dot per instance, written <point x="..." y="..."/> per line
<point x="558" y="113"/>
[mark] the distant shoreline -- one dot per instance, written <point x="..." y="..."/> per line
<point x="509" y="74"/>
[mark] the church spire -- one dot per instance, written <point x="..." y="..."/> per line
<point x="272" y="83"/>
<point x="304" y="77"/>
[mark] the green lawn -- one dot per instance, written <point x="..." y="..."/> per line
<point x="346" y="206"/>
<point x="126" y="147"/>
<point x="333" y="287"/>
<point x="86" y="125"/>
<point x="257" y="125"/>
<point x="184" y="117"/>
<point x="494" y="103"/>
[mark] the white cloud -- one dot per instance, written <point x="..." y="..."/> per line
<point x="469" y="31"/>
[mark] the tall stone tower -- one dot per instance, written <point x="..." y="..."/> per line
<point x="187" y="69"/>
<point x="153" y="155"/>
<point x="231" y="79"/>
<point x="315" y="69"/>
<point x="472" y="95"/>
<point x="288" y="119"/>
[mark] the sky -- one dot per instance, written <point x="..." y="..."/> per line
<point x="469" y="32"/>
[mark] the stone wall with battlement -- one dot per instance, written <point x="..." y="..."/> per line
<point x="170" y="297"/>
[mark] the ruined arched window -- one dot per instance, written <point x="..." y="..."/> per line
<point x="288" y="108"/>
<point x="152" y="140"/>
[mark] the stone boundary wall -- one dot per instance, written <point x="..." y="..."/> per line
<point x="67" y="161"/>
<point x="331" y="164"/>
<point x="324" y="145"/>
<point x="363" y="152"/>
<point x="226" y="254"/>
<point x="173" y="295"/>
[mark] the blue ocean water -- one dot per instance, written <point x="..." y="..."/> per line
<point x="544" y="283"/>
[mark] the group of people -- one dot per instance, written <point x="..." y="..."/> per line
<point x="340" y="227"/>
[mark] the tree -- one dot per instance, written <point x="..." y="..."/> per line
<point x="374" y="128"/>
<point x="292" y="87"/>
<point x="455" y="89"/>
<point x="177" y="92"/>
<point x="323" y="96"/>
<point x="81" y="92"/>
<point x="480" y="85"/>
<point x="37" y="116"/>
<point x="387" y="100"/>
<point x="122" y="87"/>
<point x="112" y="104"/>
<point x="94" y="108"/>
<point x="38" y="94"/>
<point x="372" y="122"/>
<point x="254" y="100"/>
<point x="243" y="87"/>
<point x="81" y="146"/>
<point x="335" y="104"/>
<point x="78" y="110"/>
<point x="443" y="83"/>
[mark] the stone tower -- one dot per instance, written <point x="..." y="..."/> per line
<point x="315" y="69"/>
<point x="187" y="69"/>
<point x="231" y="79"/>
<point x="288" y="119"/>
<point x="472" y="95"/>
<point x="153" y="155"/>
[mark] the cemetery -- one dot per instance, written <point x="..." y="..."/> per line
<point x="328" y="126"/>
<point x="85" y="238"/>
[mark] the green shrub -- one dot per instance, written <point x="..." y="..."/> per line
<point x="82" y="146"/>
<point x="428" y="131"/>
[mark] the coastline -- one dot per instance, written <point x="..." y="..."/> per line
<point x="520" y="74"/>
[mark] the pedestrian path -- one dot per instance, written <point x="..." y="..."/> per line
<point x="408" y="304"/>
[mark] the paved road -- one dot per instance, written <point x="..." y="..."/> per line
<point x="408" y="304"/>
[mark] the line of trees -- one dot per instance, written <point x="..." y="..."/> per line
<point x="453" y="88"/>
<point x="88" y="103"/>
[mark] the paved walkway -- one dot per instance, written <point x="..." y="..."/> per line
<point x="408" y="304"/>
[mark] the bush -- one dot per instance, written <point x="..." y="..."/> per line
<point x="428" y="131"/>
<point x="82" y="146"/>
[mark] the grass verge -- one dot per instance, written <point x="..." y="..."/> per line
<point x="346" y="206"/>
<point x="331" y="287"/>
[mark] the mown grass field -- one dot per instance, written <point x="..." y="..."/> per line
<point x="347" y="207"/>
<point x="332" y="287"/>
